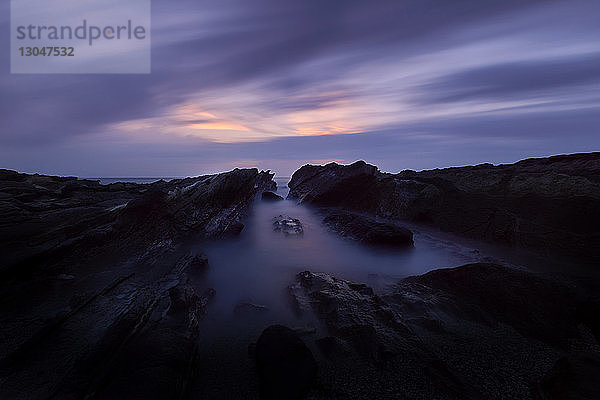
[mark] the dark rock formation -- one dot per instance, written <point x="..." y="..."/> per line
<point x="270" y="196"/>
<point x="572" y="377"/>
<point x="551" y="205"/>
<point x="286" y="367"/>
<point x="44" y="217"/>
<point x="287" y="225"/>
<point x="100" y="297"/>
<point x="367" y="230"/>
<point x="477" y="331"/>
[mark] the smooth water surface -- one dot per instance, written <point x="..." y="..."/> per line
<point x="258" y="266"/>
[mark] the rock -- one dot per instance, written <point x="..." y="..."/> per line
<point x="304" y="330"/>
<point x="42" y="218"/>
<point x="366" y="230"/>
<point x="286" y="367"/>
<point x="248" y="308"/>
<point x="588" y="312"/>
<point x="535" y="306"/>
<point x="363" y="339"/>
<point x="549" y="205"/>
<point x="368" y="340"/>
<point x="270" y="196"/>
<point x="333" y="347"/>
<point x="127" y="326"/>
<point x="198" y="263"/>
<point x="287" y="225"/>
<point x="184" y="299"/>
<point x="234" y="229"/>
<point x="572" y="377"/>
<point x="476" y="331"/>
<point x="335" y="185"/>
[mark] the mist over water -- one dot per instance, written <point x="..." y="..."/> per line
<point x="258" y="265"/>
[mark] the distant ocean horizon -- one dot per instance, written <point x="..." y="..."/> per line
<point x="145" y="180"/>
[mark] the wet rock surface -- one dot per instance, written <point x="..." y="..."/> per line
<point x="550" y="205"/>
<point x="368" y="230"/>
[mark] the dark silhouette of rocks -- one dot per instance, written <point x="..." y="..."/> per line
<point x="571" y="377"/>
<point x="286" y="367"/>
<point x="550" y="205"/>
<point x="270" y="196"/>
<point x="39" y="222"/>
<point x="100" y="298"/>
<point x="476" y="331"/>
<point x="367" y="230"/>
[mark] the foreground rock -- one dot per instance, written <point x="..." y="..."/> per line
<point x="100" y="297"/>
<point x="368" y="231"/>
<point x="551" y="205"/>
<point x="477" y="331"/>
<point x="286" y="367"/>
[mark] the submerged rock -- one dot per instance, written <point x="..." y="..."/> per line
<point x="369" y="231"/>
<point x="287" y="225"/>
<point x="270" y="196"/>
<point x="286" y="367"/>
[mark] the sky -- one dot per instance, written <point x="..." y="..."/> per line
<point x="275" y="84"/>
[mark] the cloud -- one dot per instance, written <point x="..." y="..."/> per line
<point x="231" y="78"/>
<point x="517" y="79"/>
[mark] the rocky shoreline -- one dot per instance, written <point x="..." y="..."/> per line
<point x="101" y="297"/>
<point x="548" y="205"/>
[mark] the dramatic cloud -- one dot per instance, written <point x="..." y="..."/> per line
<point x="272" y="83"/>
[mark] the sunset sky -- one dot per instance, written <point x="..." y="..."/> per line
<point x="276" y="84"/>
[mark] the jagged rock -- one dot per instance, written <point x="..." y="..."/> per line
<point x="365" y="331"/>
<point x="42" y="216"/>
<point x="270" y="196"/>
<point x="476" y="331"/>
<point x="286" y="367"/>
<point x="234" y="229"/>
<point x="287" y="225"/>
<point x="127" y="325"/>
<point x="336" y="185"/>
<point x="551" y="205"/>
<point x="367" y="230"/>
